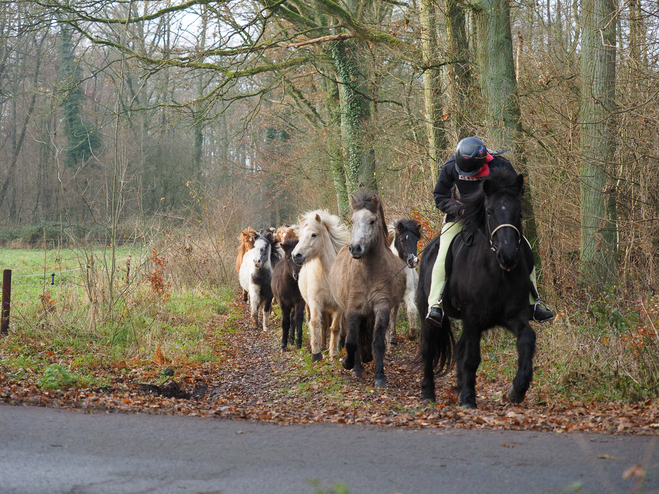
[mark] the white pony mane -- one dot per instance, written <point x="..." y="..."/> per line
<point x="338" y="232"/>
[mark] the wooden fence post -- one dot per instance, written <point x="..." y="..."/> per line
<point x="6" y="300"/>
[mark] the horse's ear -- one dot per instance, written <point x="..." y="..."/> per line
<point x="318" y="218"/>
<point x="487" y="186"/>
<point x="519" y="183"/>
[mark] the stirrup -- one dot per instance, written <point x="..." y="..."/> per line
<point x="435" y="315"/>
<point x="543" y="310"/>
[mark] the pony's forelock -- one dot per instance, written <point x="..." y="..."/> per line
<point x="338" y="232"/>
<point x="369" y="200"/>
<point x="500" y="181"/>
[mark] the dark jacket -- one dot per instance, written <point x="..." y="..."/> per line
<point x="449" y="178"/>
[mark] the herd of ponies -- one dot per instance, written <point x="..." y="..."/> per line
<point x="349" y="286"/>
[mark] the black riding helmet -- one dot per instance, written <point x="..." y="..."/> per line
<point x="470" y="156"/>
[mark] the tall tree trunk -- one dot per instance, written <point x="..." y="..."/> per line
<point x="499" y="88"/>
<point x="459" y="71"/>
<point x="355" y="116"/>
<point x="432" y="91"/>
<point x="599" y="250"/>
<point x="333" y="118"/>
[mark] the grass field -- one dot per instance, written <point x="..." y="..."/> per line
<point x="65" y="317"/>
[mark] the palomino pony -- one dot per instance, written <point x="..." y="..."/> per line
<point x="256" y="273"/>
<point x="247" y="238"/>
<point x="287" y="292"/>
<point x="367" y="282"/>
<point x="406" y="234"/>
<point x="489" y="286"/>
<point x="321" y="237"/>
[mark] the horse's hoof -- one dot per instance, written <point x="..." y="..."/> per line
<point x="514" y="396"/>
<point x="283" y="349"/>
<point x="357" y="373"/>
<point x="411" y="336"/>
<point x="467" y="402"/>
<point x="316" y="357"/>
<point x="380" y="382"/>
<point x="348" y="364"/>
<point x="298" y="344"/>
<point x="428" y="396"/>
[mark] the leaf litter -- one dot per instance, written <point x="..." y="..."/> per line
<point x="253" y="380"/>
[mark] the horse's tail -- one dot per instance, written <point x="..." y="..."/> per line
<point x="437" y="344"/>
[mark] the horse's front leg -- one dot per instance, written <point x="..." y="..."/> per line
<point x="285" y="325"/>
<point x="412" y="314"/>
<point x="254" y="306"/>
<point x="525" y="352"/>
<point x="315" y="332"/>
<point x="468" y="354"/>
<point x="392" y="336"/>
<point x="335" y="334"/>
<point x="267" y="309"/>
<point x="299" y="320"/>
<point x="382" y="317"/>
<point x="352" y="339"/>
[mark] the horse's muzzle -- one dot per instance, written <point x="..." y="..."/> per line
<point x="412" y="261"/>
<point x="298" y="259"/>
<point x="509" y="261"/>
<point x="356" y="250"/>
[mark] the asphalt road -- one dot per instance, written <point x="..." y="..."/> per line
<point x="50" y="451"/>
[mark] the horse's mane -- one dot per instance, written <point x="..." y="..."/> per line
<point x="247" y="238"/>
<point x="369" y="200"/>
<point x="338" y="232"/>
<point x="472" y="207"/>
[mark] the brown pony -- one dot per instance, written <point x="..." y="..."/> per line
<point x="247" y="238"/>
<point x="367" y="282"/>
<point x="285" y="233"/>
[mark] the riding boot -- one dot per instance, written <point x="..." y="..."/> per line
<point x="435" y="315"/>
<point x="541" y="312"/>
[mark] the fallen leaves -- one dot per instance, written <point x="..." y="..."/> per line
<point x="253" y="380"/>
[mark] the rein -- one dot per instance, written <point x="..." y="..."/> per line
<point x="398" y="272"/>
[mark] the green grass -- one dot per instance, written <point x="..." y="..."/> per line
<point x="61" y="332"/>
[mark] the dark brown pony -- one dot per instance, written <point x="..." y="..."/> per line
<point x="367" y="281"/>
<point x="247" y="238"/>
<point x="287" y="293"/>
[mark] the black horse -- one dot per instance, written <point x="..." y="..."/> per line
<point x="489" y="286"/>
<point x="287" y="293"/>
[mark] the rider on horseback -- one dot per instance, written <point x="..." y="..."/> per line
<point x="471" y="163"/>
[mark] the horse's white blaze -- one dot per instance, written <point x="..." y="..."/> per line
<point x="364" y="225"/>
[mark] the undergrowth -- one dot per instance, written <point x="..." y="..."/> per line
<point x="65" y="329"/>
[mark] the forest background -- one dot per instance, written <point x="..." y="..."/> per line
<point x="167" y="127"/>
